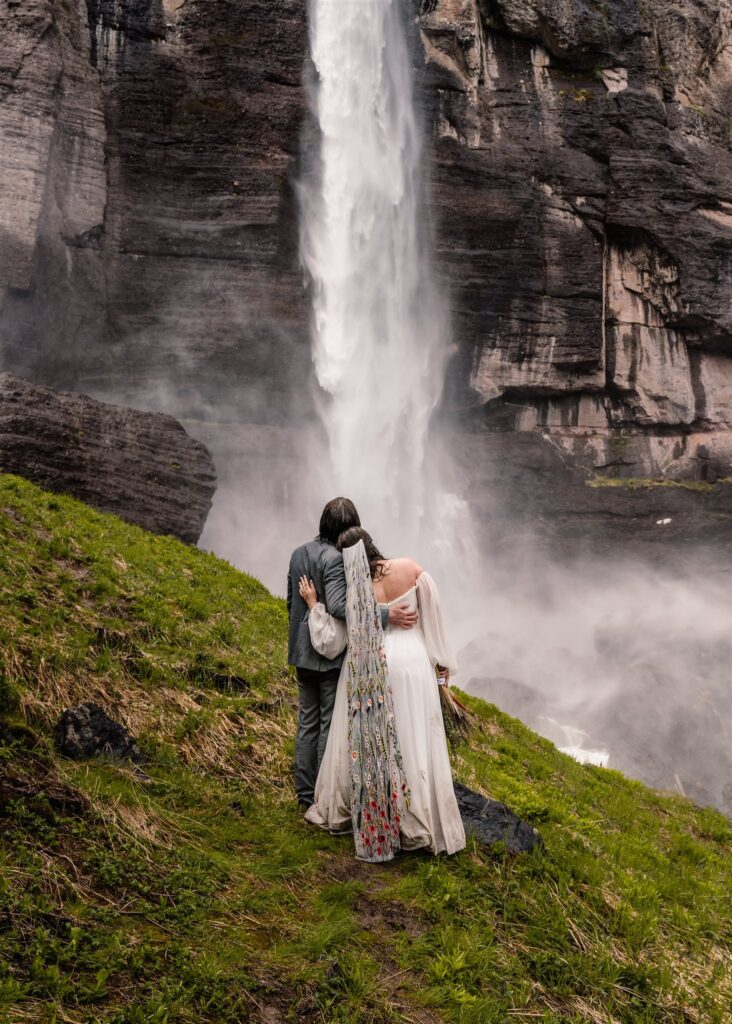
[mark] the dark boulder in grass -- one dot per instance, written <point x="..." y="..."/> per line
<point x="142" y="466"/>
<point x="86" y="731"/>
<point x="491" y="822"/>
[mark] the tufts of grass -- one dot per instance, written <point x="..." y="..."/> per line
<point x="94" y="609"/>
<point x="196" y="893"/>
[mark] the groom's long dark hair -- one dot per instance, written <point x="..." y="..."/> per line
<point x="338" y="515"/>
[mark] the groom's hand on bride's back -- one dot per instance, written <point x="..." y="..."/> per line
<point x="402" y="617"/>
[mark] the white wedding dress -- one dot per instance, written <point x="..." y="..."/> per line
<point x="432" y="820"/>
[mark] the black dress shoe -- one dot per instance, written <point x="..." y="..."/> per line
<point x="304" y="804"/>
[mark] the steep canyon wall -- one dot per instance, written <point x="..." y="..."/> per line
<point x="580" y="177"/>
<point x="583" y="153"/>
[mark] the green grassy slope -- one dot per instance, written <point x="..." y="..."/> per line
<point x="199" y="895"/>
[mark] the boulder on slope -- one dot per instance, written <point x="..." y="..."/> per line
<point x="142" y="466"/>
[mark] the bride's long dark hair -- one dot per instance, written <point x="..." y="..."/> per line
<point x="375" y="558"/>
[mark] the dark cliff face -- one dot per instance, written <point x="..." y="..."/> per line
<point x="583" y="151"/>
<point x="581" y="189"/>
<point x="158" y="250"/>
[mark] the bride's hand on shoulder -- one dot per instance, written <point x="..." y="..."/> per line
<point x="308" y="592"/>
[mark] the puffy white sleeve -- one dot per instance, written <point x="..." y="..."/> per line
<point x="433" y="626"/>
<point x="327" y="634"/>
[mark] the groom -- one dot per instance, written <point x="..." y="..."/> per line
<point x="317" y="677"/>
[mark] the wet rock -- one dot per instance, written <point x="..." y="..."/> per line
<point x="581" y="188"/>
<point x="142" y="466"/>
<point x="554" y="492"/>
<point x="490" y="822"/>
<point x="582" y="181"/>
<point x="154" y="230"/>
<point x="86" y="731"/>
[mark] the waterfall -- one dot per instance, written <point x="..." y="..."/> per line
<point x="379" y="337"/>
<point x="566" y="647"/>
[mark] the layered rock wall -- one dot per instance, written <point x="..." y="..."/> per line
<point x="583" y="151"/>
<point x="53" y="189"/>
<point x="147" y="190"/>
<point x="580" y="183"/>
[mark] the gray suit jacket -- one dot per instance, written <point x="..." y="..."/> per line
<point x="322" y="564"/>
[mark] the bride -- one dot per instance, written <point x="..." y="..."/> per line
<point x="386" y="771"/>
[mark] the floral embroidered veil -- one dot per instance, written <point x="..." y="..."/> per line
<point x="378" y="786"/>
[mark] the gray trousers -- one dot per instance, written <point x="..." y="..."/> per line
<point x="317" y="692"/>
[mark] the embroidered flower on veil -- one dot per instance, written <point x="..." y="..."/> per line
<point x="377" y="773"/>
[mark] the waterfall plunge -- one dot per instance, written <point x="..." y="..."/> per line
<point x="579" y="637"/>
<point x="379" y="339"/>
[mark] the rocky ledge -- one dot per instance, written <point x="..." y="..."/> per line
<point x="142" y="466"/>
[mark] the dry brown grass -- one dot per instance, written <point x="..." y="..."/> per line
<point x="237" y="737"/>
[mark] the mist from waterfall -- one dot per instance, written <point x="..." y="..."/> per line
<point x="380" y="339"/>
<point x="582" y="653"/>
<point x="608" y="644"/>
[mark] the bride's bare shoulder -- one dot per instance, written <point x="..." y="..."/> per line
<point x="406" y="567"/>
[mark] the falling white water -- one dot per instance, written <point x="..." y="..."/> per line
<point x="379" y="339"/>
<point x="566" y="648"/>
<point x="575" y="740"/>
